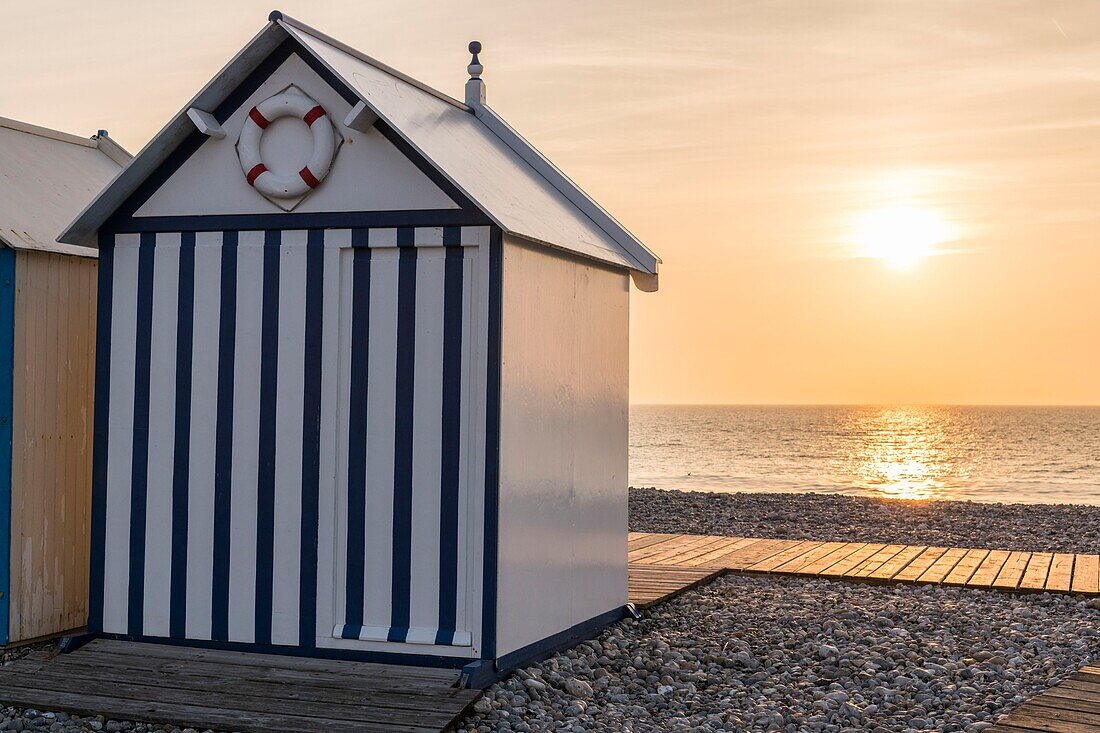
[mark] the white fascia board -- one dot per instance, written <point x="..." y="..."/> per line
<point x="647" y="260"/>
<point x="82" y="231"/>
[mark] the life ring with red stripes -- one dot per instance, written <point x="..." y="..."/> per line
<point x="291" y="103"/>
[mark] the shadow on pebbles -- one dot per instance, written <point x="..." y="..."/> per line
<point x="763" y="654"/>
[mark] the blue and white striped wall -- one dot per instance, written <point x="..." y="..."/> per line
<point x="291" y="438"/>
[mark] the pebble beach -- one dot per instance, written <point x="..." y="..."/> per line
<point x="750" y="653"/>
<point x="755" y="654"/>
<point x="836" y="517"/>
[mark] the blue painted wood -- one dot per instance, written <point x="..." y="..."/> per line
<point x="7" y="362"/>
<point x="492" y="447"/>
<point x="105" y="299"/>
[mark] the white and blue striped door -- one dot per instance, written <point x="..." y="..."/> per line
<point x="406" y="327"/>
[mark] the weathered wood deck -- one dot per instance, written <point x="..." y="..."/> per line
<point x="1072" y="706"/>
<point x="235" y="691"/>
<point x="960" y="566"/>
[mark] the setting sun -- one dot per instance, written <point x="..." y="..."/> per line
<point x="901" y="235"/>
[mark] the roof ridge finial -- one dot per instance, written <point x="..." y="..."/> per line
<point x="475" y="87"/>
<point x="475" y="68"/>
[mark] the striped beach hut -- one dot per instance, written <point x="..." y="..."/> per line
<point x="47" y="337"/>
<point x="361" y="385"/>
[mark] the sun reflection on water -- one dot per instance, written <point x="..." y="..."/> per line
<point x="901" y="453"/>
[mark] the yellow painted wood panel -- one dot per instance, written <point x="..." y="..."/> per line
<point x="52" y="442"/>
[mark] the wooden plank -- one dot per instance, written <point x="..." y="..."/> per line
<point x="827" y="561"/>
<point x="1035" y="576"/>
<point x="898" y="562"/>
<point x="966" y="567"/>
<point x="1086" y="574"/>
<point x="1013" y="571"/>
<point x="670" y="551"/>
<point x="750" y="555"/>
<point x="669" y="541"/>
<point x="791" y="553"/>
<point x="709" y="558"/>
<point x="1049" y="719"/>
<point x="650" y="584"/>
<point x="196" y="716"/>
<point x="839" y="569"/>
<point x="646" y="540"/>
<point x="943" y="566"/>
<point x="823" y="550"/>
<point x="874" y="562"/>
<point x="988" y="571"/>
<point x="224" y="691"/>
<point x="1067" y="700"/>
<point x="1061" y="572"/>
<point x="920" y="564"/>
<point x="715" y="543"/>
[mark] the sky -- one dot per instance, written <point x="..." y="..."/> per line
<point x="855" y="201"/>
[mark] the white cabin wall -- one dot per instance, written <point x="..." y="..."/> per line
<point x="563" y="474"/>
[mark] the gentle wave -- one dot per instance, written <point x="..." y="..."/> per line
<point x="1008" y="454"/>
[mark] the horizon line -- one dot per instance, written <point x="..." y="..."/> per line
<point x="867" y="404"/>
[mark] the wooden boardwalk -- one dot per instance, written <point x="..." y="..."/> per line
<point x="235" y="691"/>
<point x="960" y="566"/>
<point x="650" y="584"/>
<point x="1072" y="706"/>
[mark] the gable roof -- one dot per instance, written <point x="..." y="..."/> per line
<point x="46" y="177"/>
<point x="475" y="151"/>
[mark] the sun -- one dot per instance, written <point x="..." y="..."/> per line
<point x="901" y="235"/>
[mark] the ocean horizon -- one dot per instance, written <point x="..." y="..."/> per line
<point x="989" y="453"/>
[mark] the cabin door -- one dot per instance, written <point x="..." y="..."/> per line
<point x="402" y="474"/>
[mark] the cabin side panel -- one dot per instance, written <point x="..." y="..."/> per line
<point x="54" y="368"/>
<point x="563" y="499"/>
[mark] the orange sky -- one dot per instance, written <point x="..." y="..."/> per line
<point x="747" y="143"/>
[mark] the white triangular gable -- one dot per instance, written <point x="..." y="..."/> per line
<point x="369" y="173"/>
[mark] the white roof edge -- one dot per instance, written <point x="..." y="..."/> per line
<point x="646" y="259"/>
<point x="110" y="147"/>
<point x="84" y="227"/>
<point x="286" y="20"/>
<point x="65" y="137"/>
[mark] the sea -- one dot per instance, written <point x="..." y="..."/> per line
<point x="991" y="454"/>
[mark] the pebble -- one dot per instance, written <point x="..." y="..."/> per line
<point x="838" y="517"/>
<point x="950" y="659"/>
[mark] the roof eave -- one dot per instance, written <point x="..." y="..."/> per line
<point x="646" y="259"/>
<point x="83" y="229"/>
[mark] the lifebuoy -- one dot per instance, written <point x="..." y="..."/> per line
<point x="291" y="103"/>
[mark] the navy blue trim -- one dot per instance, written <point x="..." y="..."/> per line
<point x="98" y="533"/>
<point x="123" y="220"/>
<point x="492" y="447"/>
<point x="357" y="432"/>
<point x="328" y="220"/>
<point x="562" y="640"/>
<point x="451" y="434"/>
<point x="311" y="436"/>
<point x="7" y="375"/>
<point x="401" y="582"/>
<point x="426" y="167"/>
<point x="265" y="479"/>
<point x="350" y="655"/>
<point x="181" y="454"/>
<point x="195" y="139"/>
<point x="139" y="474"/>
<point x="223" y="439"/>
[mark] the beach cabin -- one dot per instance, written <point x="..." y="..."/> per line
<point x="361" y="385"/>
<point x="47" y="350"/>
